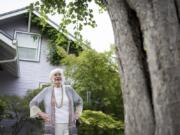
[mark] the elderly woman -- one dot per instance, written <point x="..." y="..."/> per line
<point x="63" y="106"/>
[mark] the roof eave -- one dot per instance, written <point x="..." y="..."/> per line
<point x="25" y="10"/>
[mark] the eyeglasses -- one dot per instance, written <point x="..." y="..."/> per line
<point x="57" y="74"/>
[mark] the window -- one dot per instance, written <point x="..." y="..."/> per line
<point x="28" y="45"/>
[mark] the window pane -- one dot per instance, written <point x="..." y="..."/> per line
<point x="28" y="45"/>
<point x="27" y="53"/>
<point x="27" y="40"/>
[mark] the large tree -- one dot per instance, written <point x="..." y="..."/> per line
<point x="147" y="35"/>
<point x="147" y="38"/>
<point x="97" y="74"/>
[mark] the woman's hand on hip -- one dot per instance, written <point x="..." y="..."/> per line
<point x="44" y="116"/>
<point x="76" y="116"/>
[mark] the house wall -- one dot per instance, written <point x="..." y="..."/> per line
<point x="31" y="73"/>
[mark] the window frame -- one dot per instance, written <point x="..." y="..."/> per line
<point x="38" y="48"/>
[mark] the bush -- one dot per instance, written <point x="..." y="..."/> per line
<point x="2" y="109"/>
<point x="16" y="109"/>
<point x="96" y="78"/>
<point x="99" y="123"/>
<point x="92" y="122"/>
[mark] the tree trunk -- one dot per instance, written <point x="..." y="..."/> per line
<point x="147" y="35"/>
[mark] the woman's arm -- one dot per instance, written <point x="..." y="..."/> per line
<point x="78" y="102"/>
<point x="34" y="104"/>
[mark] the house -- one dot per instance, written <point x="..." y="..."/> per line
<point x="23" y="53"/>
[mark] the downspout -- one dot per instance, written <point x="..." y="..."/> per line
<point x="14" y="42"/>
<point x="9" y="60"/>
<point x="29" y="21"/>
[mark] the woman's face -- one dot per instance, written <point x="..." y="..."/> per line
<point x="57" y="78"/>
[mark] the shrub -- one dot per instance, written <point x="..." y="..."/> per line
<point x="99" y="123"/>
<point x="92" y="122"/>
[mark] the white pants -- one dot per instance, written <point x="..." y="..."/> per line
<point x="61" y="129"/>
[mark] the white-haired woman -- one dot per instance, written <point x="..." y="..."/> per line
<point x="63" y="106"/>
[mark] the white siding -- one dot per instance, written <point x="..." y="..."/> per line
<point x="31" y="73"/>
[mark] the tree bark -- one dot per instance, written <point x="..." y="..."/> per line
<point x="139" y="118"/>
<point x="147" y="35"/>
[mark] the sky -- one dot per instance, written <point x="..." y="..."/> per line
<point x="100" y="37"/>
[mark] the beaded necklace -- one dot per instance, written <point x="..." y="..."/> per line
<point x="55" y="101"/>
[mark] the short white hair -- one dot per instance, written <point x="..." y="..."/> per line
<point x="55" y="71"/>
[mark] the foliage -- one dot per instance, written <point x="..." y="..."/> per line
<point x="56" y="39"/>
<point x="98" y="74"/>
<point x="2" y="109"/>
<point x="92" y="122"/>
<point x="90" y="71"/>
<point x="98" y="123"/>
<point x="78" y="12"/>
<point x="17" y="108"/>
